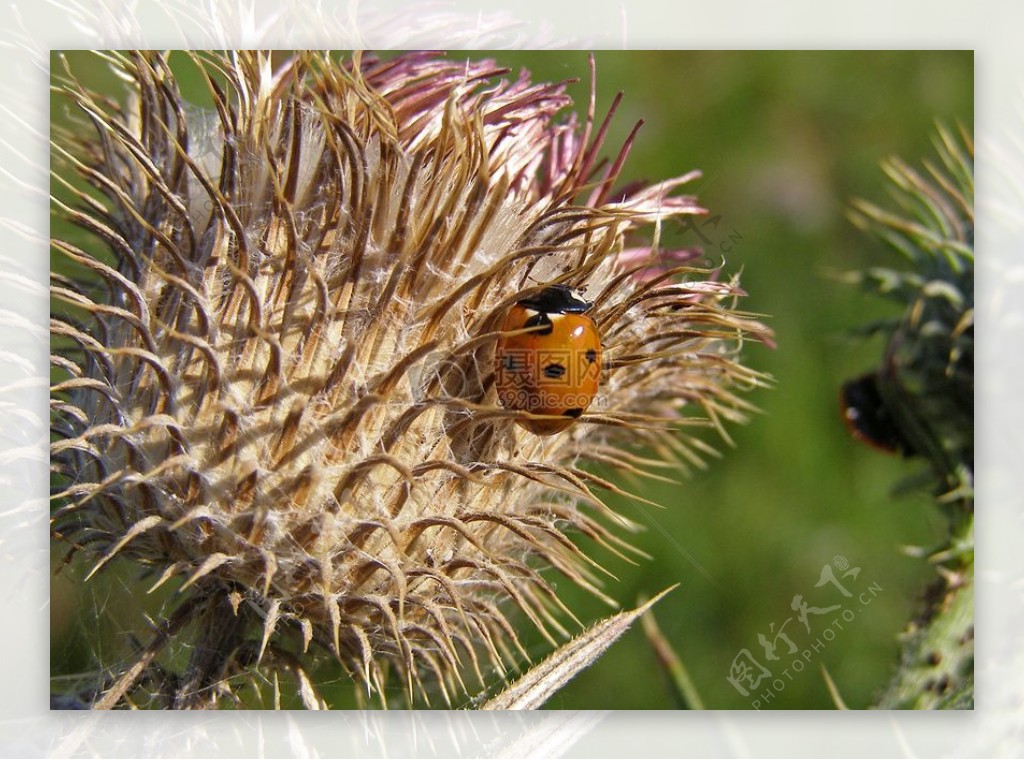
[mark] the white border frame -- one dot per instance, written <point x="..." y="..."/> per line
<point x="31" y="29"/>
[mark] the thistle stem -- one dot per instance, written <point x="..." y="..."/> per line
<point x="936" y="668"/>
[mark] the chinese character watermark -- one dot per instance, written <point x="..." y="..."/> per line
<point x="763" y="682"/>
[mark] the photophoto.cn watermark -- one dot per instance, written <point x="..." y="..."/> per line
<point x="790" y="646"/>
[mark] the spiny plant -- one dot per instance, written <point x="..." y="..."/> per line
<point x="274" y="377"/>
<point x="920" y="400"/>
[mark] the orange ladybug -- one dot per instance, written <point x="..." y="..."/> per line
<point x="555" y="368"/>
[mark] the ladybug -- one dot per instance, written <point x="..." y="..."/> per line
<point x="868" y="418"/>
<point x="555" y="368"/>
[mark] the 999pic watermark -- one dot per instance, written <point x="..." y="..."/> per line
<point x="762" y="682"/>
<point x="707" y="230"/>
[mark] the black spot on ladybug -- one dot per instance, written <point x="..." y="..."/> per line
<point x="554" y="371"/>
<point x="591" y="356"/>
<point x="574" y="412"/>
<point x="541" y="320"/>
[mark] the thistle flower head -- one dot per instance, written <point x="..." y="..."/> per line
<point x="924" y="389"/>
<point x="275" y="367"/>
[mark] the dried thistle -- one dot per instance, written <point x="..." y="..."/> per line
<point x="274" y="371"/>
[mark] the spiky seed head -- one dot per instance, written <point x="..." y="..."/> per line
<point x="275" y="370"/>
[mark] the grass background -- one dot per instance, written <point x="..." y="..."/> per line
<point x="785" y="140"/>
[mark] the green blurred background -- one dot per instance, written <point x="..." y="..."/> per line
<point x="784" y="140"/>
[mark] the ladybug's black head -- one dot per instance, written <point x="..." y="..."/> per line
<point x="557" y="299"/>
